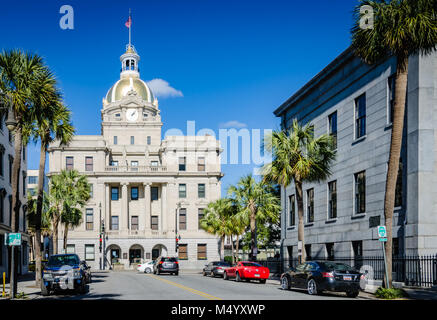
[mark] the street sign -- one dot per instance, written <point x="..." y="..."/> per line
<point x="382" y="232"/>
<point x="14" y="239"/>
<point x="383" y="239"/>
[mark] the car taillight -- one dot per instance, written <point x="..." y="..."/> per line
<point x="139" y="265"/>
<point x="160" y="262"/>
<point x="219" y="268"/>
<point x="327" y="275"/>
<point x="176" y="262"/>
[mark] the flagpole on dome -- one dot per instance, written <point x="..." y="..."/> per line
<point x="130" y="27"/>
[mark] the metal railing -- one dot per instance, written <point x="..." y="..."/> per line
<point x="418" y="271"/>
<point x="135" y="169"/>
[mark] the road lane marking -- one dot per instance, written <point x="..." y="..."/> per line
<point x="200" y="293"/>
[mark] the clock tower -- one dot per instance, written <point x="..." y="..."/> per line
<point x="130" y="114"/>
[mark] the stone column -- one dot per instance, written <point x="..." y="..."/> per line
<point x="107" y="211"/>
<point x="164" y="207"/>
<point x="147" y="206"/>
<point x="124" y="223"/>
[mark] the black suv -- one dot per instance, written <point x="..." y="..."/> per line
<point x="166" y="265"/>
<point x="63" y="271"/>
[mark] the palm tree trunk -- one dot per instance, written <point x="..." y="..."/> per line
<point x="55" y="223"/>
<point x="222" y="247"/>
<point x="253" y="247"/>
<point x="232" y="249"/>
<point x="65" y="237"/>
<point x="300" y="228"/>
<point x="39" y="202"/>
<point x="393" y="162"/>
<point x="237" y="248"/>
<point x="16" y="203"/>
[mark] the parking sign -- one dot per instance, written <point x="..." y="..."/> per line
<point x="382" y="232"/>
<point x="14" y="239"/>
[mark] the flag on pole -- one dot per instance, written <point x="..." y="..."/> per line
<point x="128" y="22"/>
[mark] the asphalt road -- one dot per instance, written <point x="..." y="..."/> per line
<point x="139" y="286"/>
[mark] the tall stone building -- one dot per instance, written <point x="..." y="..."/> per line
<point x="146" y="190"/>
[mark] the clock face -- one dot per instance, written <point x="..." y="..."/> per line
<point x="132" y="114"/>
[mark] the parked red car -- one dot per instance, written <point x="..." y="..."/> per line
<point x="246" y="270"/>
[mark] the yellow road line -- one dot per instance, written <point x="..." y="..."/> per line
<point x="200" y="293"/>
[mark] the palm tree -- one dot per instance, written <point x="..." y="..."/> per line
<point x="19" y="73"/>
<point x="216" y="221"/>
<point x="67" y="190"/>
<point x="238" y="228"/>
<point x="400" y="28"/>
<point x="256" y="203"/>
<point x="77" y="194"/>
<point x="32" y="221"/>
<point x="299" y="157"/>
<point x="50" y="122"/>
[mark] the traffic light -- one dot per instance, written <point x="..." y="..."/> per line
<point x="177" y="244"/>
<point x="100" y="243"/>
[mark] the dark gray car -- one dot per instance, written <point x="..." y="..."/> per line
<point x="166" y="265"/>
<point x="215" y="268"/>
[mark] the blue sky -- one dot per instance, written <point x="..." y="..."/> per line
<point x="232" y="60"/>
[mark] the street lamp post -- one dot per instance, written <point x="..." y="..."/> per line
<point x="178" y="205"/>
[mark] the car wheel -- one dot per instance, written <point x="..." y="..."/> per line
<point x="158" y="272"/>
<point x="212" y="274"/>
<point x="237" y="277"/>
<point x="312" y="287"/>
<point x="176" y="273"/>
<point x="44" y="290"/>
<point x="148" y="270"/>
<point x="204" y="273"/>
<point x="225" y="276"/>
<point x="263" y="281"/>
<point x="285" y="283"/>
<point x="353" y="294"/>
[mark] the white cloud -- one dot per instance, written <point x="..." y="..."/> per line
<point x="162" y="89"/>
<point x="233" y="124"/>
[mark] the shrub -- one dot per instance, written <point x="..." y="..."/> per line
<point x="228" y="259"/>
<point x="392" y="293"/>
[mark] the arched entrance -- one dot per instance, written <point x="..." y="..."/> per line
<point x="113" y="253"/>
<point x="159" y="250"/>
<point x="136" y="254"/>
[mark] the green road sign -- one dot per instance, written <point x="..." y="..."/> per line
<point x="383" y="239"/>
<point x="382" y="232"/>
<point x="14" y="239"/>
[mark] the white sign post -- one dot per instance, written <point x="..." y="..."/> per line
<point x="382" y="234"/>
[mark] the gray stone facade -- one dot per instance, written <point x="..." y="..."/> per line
<point x="335" y="89"/>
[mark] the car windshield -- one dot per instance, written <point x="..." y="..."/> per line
<point x="63" y="260"/>
<point x="251" y="264"/>
<point x="222" y="264"/>
<point x="334" y="266"/>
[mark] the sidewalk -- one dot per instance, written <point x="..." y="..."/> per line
<point x="421" y="294"/>
<point x="26" y="285"/>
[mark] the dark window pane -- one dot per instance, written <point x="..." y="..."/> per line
<point x="114" y="193"/>
<point x="154" y="193"/>
<point x="134" y="193"/>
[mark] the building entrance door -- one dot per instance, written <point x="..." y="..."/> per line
<point x="115" y="255"/>
<point x="134" y="256"/>
<point x="155" y="254"/>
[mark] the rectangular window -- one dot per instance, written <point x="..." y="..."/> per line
<point x="88" y="163"/>
<point x="308" y="252"/>
<point x="360" y="116"/>
<point x="154" y="222"/>
<point x="134" y="165"/>
<point x="292" y="211"/>
<point x="91" y="190"/>
<point x="182" y="163"/>
<point x="332" y="200"/>
<point x="114" y="163"/>
<point x="360" y="192"/>
<point x="201" y="164"/>
<point x="391" y="87"/>
<point x="134" y="193"/>
<point x="69" y="163"/>
<point x="149" y="140"/>
<point x="154" y="163"/>
<point x="11" y="161"/>
<point x="2" y="209"/>
<point x="201" y="252"/>
<point x="10" y="210"/>
<point x="333" y="128"/>
<point x="330" y="251"/>
<point x="154" y="193"/>
<point x="134" y="223"/>
<point x="132" y="140"/>
<point x="310" y="205"/>
<point x="115" y="140"/>
<point x="24" y="153"/>
<point x="114" y="222"/>
<point x="89" y="252"/>
<point x="71" y="248"/>
<point x="114" y="193"/>
<point x="89" y="219"/>
<point x="357" y="247"/>
<point x="183" y="252"/>
<point x="32" y="179"/>
<point x="2" y="154"/>
<point x="201" y="190"/>
<point x="182" y="219"/>
<point x="399" y="193"/>
<point x="182" y="191"/>
<point x="200" y="215"/>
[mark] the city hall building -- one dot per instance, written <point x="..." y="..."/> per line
<point x="146" y="190"/>
<point x="352" y="101"/>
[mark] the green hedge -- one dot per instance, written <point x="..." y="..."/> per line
<point x="392" y="293"/>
